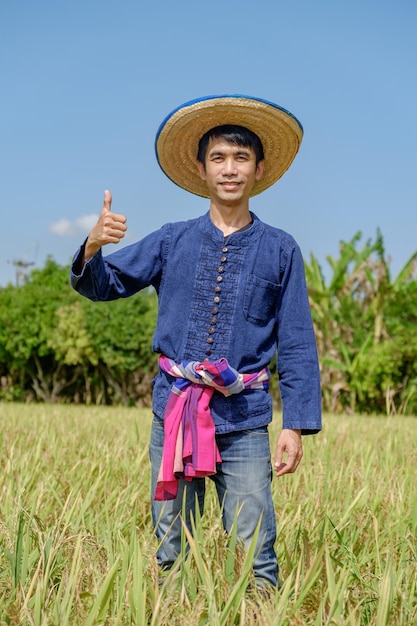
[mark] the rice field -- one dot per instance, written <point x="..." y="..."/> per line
<point x="77" y="549"/>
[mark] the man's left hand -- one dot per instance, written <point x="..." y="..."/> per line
<point x="290" y="444"/>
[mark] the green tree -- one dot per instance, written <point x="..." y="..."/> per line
<point x="26" y="318"/>
<point x="354" y="317"/>
<point x="57" y="346"/>
<point x="121" y="334"/>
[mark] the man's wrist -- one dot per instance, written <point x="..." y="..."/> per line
<point x="89" y="251"/>
<point x="294" y="430"/>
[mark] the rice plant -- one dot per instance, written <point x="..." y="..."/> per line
<point x="77" y="547"/>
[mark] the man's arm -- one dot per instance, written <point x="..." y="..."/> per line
<point x="297" y="364"/>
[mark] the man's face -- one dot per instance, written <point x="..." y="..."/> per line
<point x="230" y="171"/>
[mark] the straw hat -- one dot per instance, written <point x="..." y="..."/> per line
<point x="177" y="139"/>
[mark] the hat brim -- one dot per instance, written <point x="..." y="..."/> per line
<point x="178" y="136"/>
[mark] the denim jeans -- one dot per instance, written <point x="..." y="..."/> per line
<point x="243" y="483"/>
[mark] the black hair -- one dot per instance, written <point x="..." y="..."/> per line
<point x="237" y="135"/>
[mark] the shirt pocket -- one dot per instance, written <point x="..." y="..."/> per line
<point x="260" y="300"/>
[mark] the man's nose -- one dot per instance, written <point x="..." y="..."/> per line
<point x="229" y="167"/>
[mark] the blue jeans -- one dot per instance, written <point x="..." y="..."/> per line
<point x="243" y="482"/>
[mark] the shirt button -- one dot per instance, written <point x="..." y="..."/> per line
<point x="225" y="249"/>
<point x="211" y="330"/>
<point x="219" y="279"/>
<point x="221" y="269"/>
<point x="210" y="340"/>
<point x="216" y="299"/>
<point x="208" y="352"/>
<point x="223" y="259"/>
<point x="213" y="320"/>
<point x="217" y="289"/>
<point x="214" y="310"/>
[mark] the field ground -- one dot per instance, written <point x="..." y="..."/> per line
<point x="76" y="543"/>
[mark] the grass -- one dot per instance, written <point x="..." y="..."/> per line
<point x="76" y="543"/>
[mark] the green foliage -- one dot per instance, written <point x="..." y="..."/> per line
<point x="365" y="329"/>
<point x="56" y="346"/>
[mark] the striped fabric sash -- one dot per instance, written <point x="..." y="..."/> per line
<point x="190" y="448"/>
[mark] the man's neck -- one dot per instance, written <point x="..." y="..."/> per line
<point x="229" y="219"/>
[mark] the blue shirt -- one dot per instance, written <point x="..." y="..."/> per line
<point x="240" y="298"/>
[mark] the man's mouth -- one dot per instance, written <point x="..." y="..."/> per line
<point x="230" y="184"/>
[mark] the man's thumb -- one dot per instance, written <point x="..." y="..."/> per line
<point x="107" y="201"/>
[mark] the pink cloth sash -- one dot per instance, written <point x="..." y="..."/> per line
<point x="190" y="448"/>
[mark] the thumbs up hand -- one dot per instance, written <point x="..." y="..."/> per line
<point x="110" y="228"/>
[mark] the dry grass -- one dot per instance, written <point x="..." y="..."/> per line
<point x="76" y="544"/>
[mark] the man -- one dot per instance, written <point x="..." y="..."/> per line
<point x="231" y="291"/>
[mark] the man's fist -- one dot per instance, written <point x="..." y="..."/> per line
<point x="110" y="228"/>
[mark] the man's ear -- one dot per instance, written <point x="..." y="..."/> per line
<point x="260" y="170"/>
<point x="201" y="170"/>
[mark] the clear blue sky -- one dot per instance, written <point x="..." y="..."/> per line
<point x="85" y="85"/>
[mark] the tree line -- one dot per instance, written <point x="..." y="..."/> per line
<point x="56" y="346"/>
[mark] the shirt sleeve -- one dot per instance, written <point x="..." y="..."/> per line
<point x="297" y="364"/>
<point x="121" y="273"/>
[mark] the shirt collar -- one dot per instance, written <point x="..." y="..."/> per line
<point x="239" y="238"/>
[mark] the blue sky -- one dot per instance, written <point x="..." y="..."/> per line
<point x="85" y="85"/>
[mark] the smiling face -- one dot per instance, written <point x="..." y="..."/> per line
<point x="230" y="171"/>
